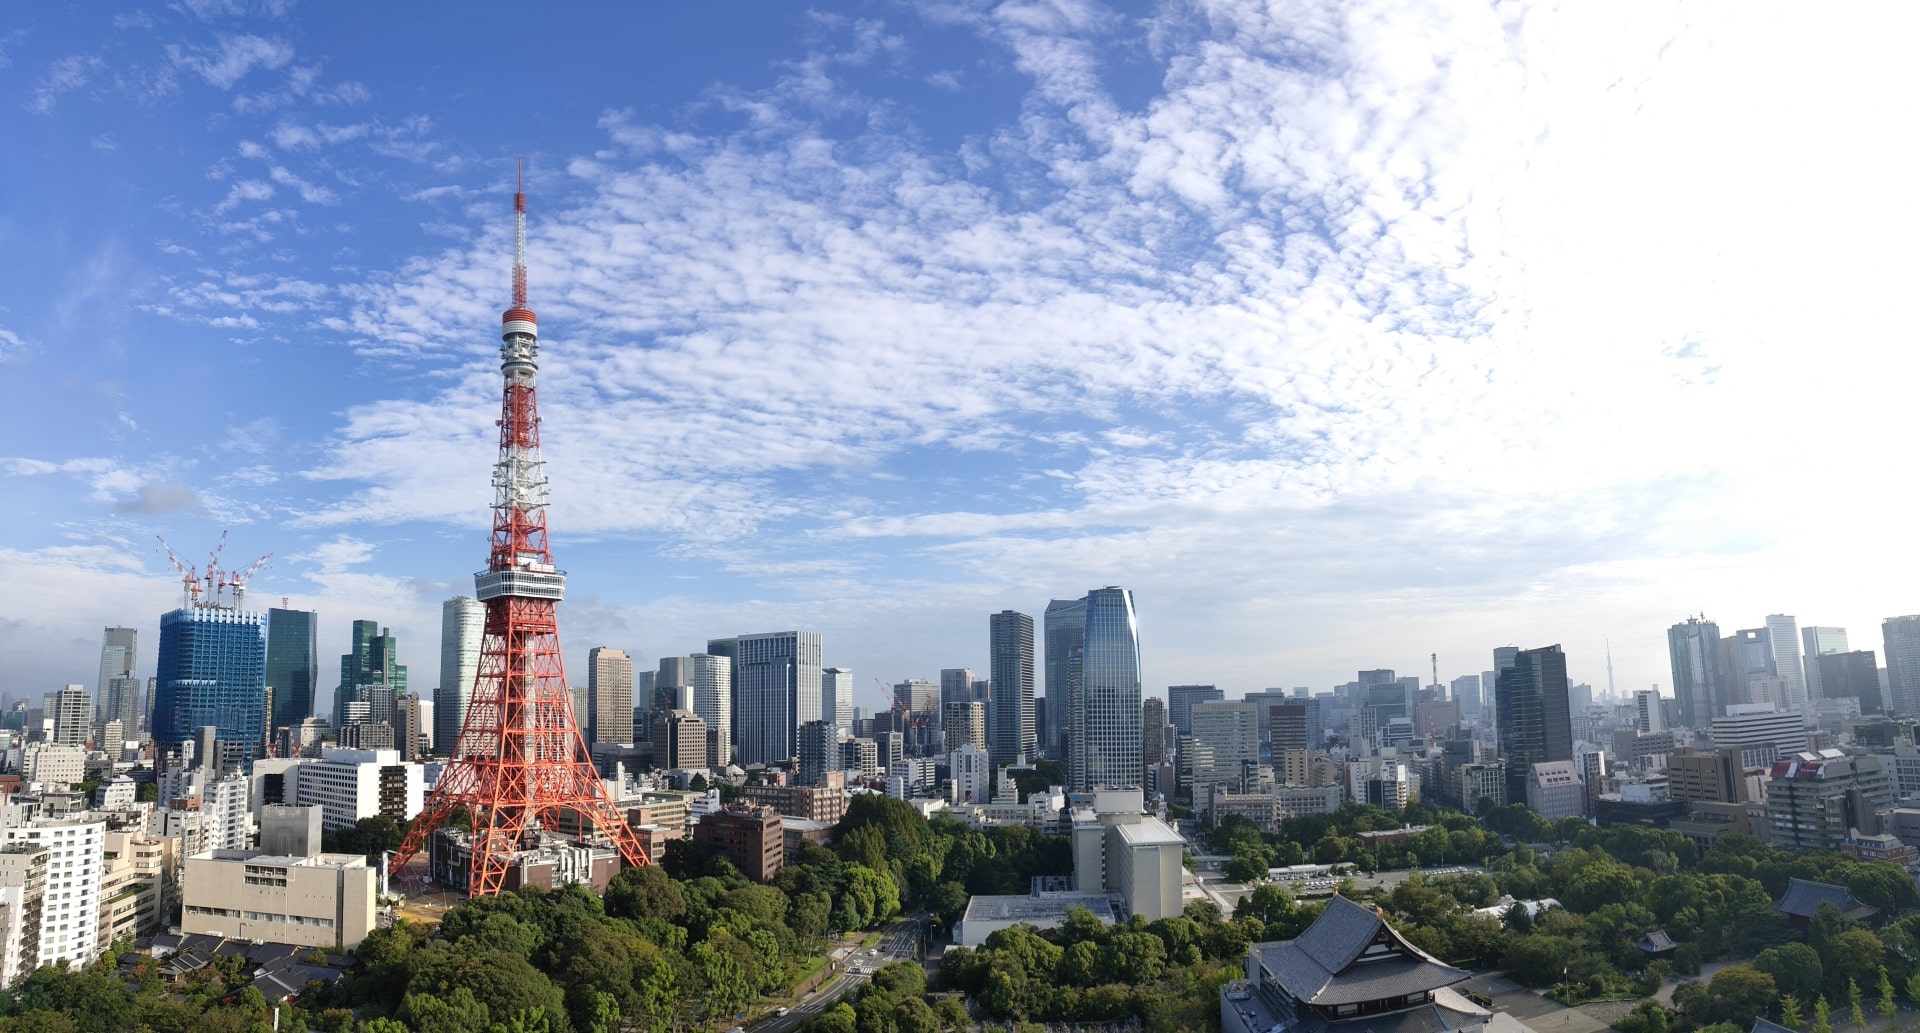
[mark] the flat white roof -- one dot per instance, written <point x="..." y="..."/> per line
<point x="1150" y="832"/>
<point x="1037" y="907"/>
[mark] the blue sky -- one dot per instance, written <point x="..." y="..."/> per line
<point x="1342" y="333"/>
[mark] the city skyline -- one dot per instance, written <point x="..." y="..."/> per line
<point x="1201" y="343"/>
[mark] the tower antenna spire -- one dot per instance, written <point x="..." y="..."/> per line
<point x="520" y="233"/>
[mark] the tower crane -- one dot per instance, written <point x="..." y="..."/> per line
<point x="189" y="577"/>
<point x="239" y="580"/>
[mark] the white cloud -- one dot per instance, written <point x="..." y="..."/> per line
<point x="245" y="190"/>
<point x="63" y="76"/>
<point x="234" y="59"/>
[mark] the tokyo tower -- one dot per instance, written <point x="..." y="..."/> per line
<point x="521" y="761"/>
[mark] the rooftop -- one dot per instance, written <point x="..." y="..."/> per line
<point x="1804" y="897"/>
<point x="1350" y="955"/>
<point x="1149" y="832"/>
<point x="1037" y="907"/>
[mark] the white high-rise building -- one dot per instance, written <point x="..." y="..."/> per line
<point x="349" y="784"/>
<point x="1817" y="642"/>
<point x="1783" y="640"/>
<point x="72" y="715"/>
<point x="776" y="689"/>
<point x="1649" y="714"/>
<point x="712" y="678"/>
<point x="1901" y="638"/>
<point x="970" y="770"/>
<point x="1230" y="732"/>
<point x="69" y="934"/>
<point x="463" y="621"/>
<point x="836" y="697"/>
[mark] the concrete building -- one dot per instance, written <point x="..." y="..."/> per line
<point x="1229" y="731"/>
<point x="712" y="682"/>
<point x="1816" y="800"/>
<point x="350" y="784"/>
<point x="135" y="878"/>
<point x="1154" y="739"/>
<point x="777" y="686"/>
<point x="324" y="900"/>
<point x="986" y="915"/>
<point x="23" y="895"/>
<point x="751" y="838"/>
<point x="1554" y="790"/>
<point x="550" y="862"/>
<point x="968" y="766"/>
<point x="69" y="933"/>
<point x="1815" y="643"/>
<point x="1649" y="713"/>
<point x="1850" y="675"/>
<point x="826" y="803"/>
<point x="1180" y="701"/>
<point x="680" y="741"/>
<point x="290" y="831"/>
<point x="956" y="686"/>
<point x="610" y="690"/>
<point x="1761" y="732"/>
<point x="1293" y="801"/>
<point x="965" y="723"/>
<point x="1711" y="776"/>
<point x="53" y="763"/>
<point x="72" y="714"/>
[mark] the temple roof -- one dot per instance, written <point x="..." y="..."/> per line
<point x="1326" y="966"/>
<point x="1804" y="897"/>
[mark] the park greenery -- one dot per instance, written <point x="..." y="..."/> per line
<point x="690" y="944"/>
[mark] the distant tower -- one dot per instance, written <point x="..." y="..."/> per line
<point x="1010" y="738"/>
<point x="610" y="695"/>
<point x="118" y="693"/>
<point x="522" y="762"/>
<point x="462" y="622"/>
<point x="1104" y="713"/>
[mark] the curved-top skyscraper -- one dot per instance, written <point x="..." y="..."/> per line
<point x="1104" y="695"/>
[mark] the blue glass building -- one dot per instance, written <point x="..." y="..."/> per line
<point x="1104" y="744"/>
<point x="212" y="671"/>
<point x="293" y="665"/>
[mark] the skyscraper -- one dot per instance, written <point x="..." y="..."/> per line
<point x="1104" y="740"/>
<point x="1699" y="681"/>
<point x="293" y="664"/>
<point x="373" y="659"/>
<point x="956" y="686"/>
<point x="72" y="715"/>
<point x="777" y="685"/>
<point x="212" y="671"/>
<point x="836" y="697"/>
<point x="1535" y="724"/>
<point x="712" y="678"/>
<point x="965" y="723"/>
<point x="118" y="651"/>
<point x="1466" y="690"/>
<point x="1817" y="642"/>
<point x="1851" y="675"/>
<point x="1901" y="637"/>
<point x="1153" y="731"/>
<point x="1503" y="658"/>
<point x="462" y="622"/>
<point x="1783" y="639"/>
<point x="119" y="690"/>
<point x="1066" y="633"/>
<point x="610" y="695"/>
<point x="1011" y="738"/>
<point x="1180" y="701"/>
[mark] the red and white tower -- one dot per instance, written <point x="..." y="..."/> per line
<point x="521" y="760"/>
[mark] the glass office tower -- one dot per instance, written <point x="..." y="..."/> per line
<point x="1104" y="744"/>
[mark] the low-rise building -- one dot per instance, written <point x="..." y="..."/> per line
<point x="1554" y="790"/>
<point x="816" y="803"/>
<point x="135" y="880"/>
<point x="986" y="915"/>
<point x="749" y="837"/>
<point x="319" y="901"/>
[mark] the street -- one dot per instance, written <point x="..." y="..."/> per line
<point x="899" y="943"/>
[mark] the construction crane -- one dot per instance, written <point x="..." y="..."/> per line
<point x="239" y="581"/>
<point x="189" y="577"/>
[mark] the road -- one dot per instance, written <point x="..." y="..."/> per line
<point x="900" y="942"/>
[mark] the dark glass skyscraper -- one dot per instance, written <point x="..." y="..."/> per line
<point x="293" y="665"/>
<point x="374" y="659"/>
<point x="1699" y="674"/>
<point x="1535" y="724"/>
<point x="1010" y="735"/>
<point x="1180" y="701"/>
<point x="1854" y="675"/>
<point x="212" y="671"/>
<point x="1066" y="632"/>
<point x="1104" y="741"/>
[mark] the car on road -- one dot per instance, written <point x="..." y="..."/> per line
<point x="782" y="1010"/>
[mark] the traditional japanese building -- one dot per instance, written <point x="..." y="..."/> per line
<point x="1804" y="897"/>
<point x="1350" y="965"/>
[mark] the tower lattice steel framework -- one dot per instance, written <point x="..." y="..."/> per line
<point x="521" y="761"/>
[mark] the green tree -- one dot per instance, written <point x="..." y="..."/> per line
<point x="1738" y="993"/>
<point x="1852" y="956"/>
<point x="645" y="891"/>
<point x="1888" y="1006"/>
<point x="1795" y="969"/>
<point x="1858" y="1014"/>
<point x="458" y="1012"/>
<point x="1790" y="1016"/>
<point x="840" y="1018"/>
<point x="1822" y="1016"/>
